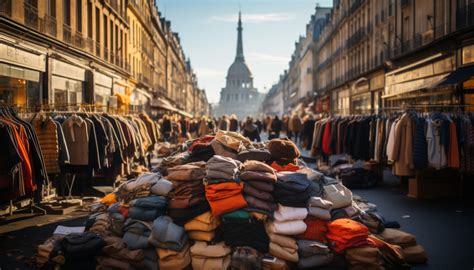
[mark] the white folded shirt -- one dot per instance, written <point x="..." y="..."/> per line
<point x="286" y="213"/>
<point x="292" y="227"/>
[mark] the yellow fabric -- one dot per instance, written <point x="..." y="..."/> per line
<point x="122" y="99"/>
<point x="200" y="235"/>
<point x="205" y="222"/>
<point x="109" y="199"/>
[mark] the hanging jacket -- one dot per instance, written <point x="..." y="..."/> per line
<point x="420" y="147"/>
<point x="436" y="154"/>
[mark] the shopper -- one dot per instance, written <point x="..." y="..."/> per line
<point x="294" y="127"/>
<point x="224" y="123"/>
<point x="276" y="127"/>
<point x="250" y="130"/>
<point x="234" y="123"/>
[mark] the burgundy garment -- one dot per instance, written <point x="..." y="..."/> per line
<point x="326" y="144"/>
<point x="260" y="204"/>
<point x="258" y="176"/>
<point x="262" y="195"/>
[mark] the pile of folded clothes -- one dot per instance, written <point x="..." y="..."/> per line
<point x="116" y="255"/>
<point x="171" y="243"/>
<point x="206" y="256"/>
<point x="187" y="199"/>
<point x="202" y="227"/>
<point x="313" y="254"/>
<point x="258" y="179"/>
<point x="223" y="186"/>
<point x="203" y="208"/>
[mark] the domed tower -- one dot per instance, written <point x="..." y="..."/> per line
<point x="239" y="96"/>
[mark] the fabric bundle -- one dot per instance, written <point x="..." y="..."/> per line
<point x="292" y="189"/>
<point x="187" y="199"/>
<point x="283" y="149"/>
<point x="364" y="258"/>
<point x="118" y="256"/>
<point x="242" y="230"/>
<point x="167" y="235"/>
<point x="202" y="227"/>
<point x="412" y="252"/>
<point x="258" y="199"/>
<point x="223" y="188"/>
<point x="346" y="233"/>
<point x="78" y="247"/>
<point x="171" y="259"/>
<point x="319" y="208"/>
<point x="283" y="247"/>
<point x="49" y="250"/>
<point x="316" y="229"/>
<point x="210" y="257"/>
<point x="313" y="254"/>
<point x="136" y="234"/>
<point x="148" y="208"/>
<point x="244" y="258"/>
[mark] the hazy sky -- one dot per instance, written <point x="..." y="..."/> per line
<point x="208" y="34"/>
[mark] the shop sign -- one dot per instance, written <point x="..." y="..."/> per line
<point x="102" y="79"/>
<point x="377" y="82"/>
<point x="67" y="70"/>
<point x="22" y="58"/>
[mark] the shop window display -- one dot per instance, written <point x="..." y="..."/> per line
<point x="19" y="86"/>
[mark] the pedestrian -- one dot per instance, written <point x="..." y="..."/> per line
<point x="276" y="127"/>
<point x="234" y="123"/>
<point x="224" y="124"/>
<point x="166" y="127"/>
<point x="184" y="129"/>
<point x="285" y="122"/>
<point x="295" y="126"/>
<point x="259" y="125"/>
<point x="307" y="131"/>
<point x="250" y="130"/>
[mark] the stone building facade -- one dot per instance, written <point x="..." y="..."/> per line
<point x="112" y="54"/>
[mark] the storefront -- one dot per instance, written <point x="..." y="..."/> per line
<point x="140" y="100"/>
<point x="361" y="98"/>
<point x="21" y="72"/>
<point x="340" y="101"/>
<point x="68" y="83"/>
<point x="421" y="83"/>
<point x="467" y="80"/>
<point x="377" y="84"/>
<point x="102" y="90"/>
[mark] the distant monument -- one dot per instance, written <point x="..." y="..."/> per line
<point x="239" y="97"/>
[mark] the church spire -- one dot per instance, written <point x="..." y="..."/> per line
<point x="240" y="46"/>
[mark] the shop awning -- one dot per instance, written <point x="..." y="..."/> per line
<point x="458" y="76"/>
<point x="162" y="104"/>
<point x="411" y="86"/>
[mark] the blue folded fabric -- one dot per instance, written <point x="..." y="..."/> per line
<point x="148" y="208"/>
<point x="150" y="202"/>
<point x="136" y="234"/>
<point x="165" y="234"/>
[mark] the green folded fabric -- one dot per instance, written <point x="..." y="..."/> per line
<point x="237" y="214"/>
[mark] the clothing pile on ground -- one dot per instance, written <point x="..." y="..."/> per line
<point x="219" y="213"/>
<point x="411" y="141"/>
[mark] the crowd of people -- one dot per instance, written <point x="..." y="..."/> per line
<point x="299" y="129"/>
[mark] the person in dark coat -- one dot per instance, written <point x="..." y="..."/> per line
<point x="250" y="130"/>
<point x="276" y="127"/>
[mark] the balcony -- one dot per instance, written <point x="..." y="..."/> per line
<point x="97" y="49"/>
<point x="79" y="40"/>
<point x="465" y="16"/>
<point x="357" y="37"/>
<point x="89" y="45"/>
<point x="31" y="16"/>
<point x="48" y="25"/>
<point x="6" y="8"/>
<point x="115" y="6"/>
<point x="112" y="57"/>
<point x="355" y="5"/>
<point x="106" y="54"/>
<point x="67" y="35"/>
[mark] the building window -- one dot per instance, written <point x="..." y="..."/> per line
<point x="67" y="12"/>
<point x="468" y="54"/>
<point x="51" y="8"/>
<point x="89" y="19"/>
<point x="106" y="38"/>
<point x="79" y="16"/>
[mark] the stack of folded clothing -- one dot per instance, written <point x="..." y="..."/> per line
<point x="118" y="256"/>
<point x="202" y="227"/>
<point x="210" y="257"/>
<point x="346" y="233"/>
<point x="78" y="248"/>
<point x="288" y="221"/>
<point x="316" y="229"/>
<point x="254" y="154"/>
<point x="99" y="223"/>
<point x="412" y="252"/>
<point x="319" y="208"/>
<point x="240" y="229"/>
<point x="136" y="234"/>
<point x="292" y="189"/>
<point x="244" y="258"/>
<point x="258" y="180"/>
<point x="223" y="187"/>
<point x="313" y="254"/>
<point x="364" y="258"/>
<point x="187" y="199"/>
<point x="167" y="235"/>
<point x="147" y="208"/>
<point x="49" y="250"/>
<point x="227" y="144"/>
<point x="172" y="259"/>
<point x="201" y="149"/>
